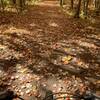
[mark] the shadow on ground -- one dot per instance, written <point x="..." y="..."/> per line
<point x="40" y="38"/>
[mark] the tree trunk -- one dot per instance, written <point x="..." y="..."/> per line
<point x="61" y="3"/>
<point x="13" y="2"/>
<point x="85" y="7"/>
<point x="72" y="3"/>
<point x="77" y="14"/>
<point x="97" y="6"/>
<point x="21" y="4"/>
<point x="2" y="5"/>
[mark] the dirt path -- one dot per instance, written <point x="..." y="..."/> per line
<point x="45" y="46"/>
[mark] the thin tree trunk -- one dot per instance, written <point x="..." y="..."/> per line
<point x="77" y="14"/>
<point x="13" y="2"/>
<point x="97" y="6"/>
<point x="72" y="3"/>
<point x="61" y="3"/>
<point x="2" y="4"/>
<point x="21" y="4"/>
<point x="85" y="7"/>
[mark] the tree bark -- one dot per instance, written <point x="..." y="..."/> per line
<point x="61" y="3"/>
<point x="97" y="6"/>
<point x="85" y="7"/>
<point x="72" y="3"/>
<point x="2" y="4"/>
<point x="13" y="2"/>
<point x="21" y="4"/>
<point x="77" y="14"/>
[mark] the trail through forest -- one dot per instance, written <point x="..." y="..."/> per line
<point x="45" y="48"/>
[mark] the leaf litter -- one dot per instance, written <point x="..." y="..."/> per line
<point x="34" y="55"/>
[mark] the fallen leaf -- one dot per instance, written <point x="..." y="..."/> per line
<point x="98" y="82"/>
<point x="79" y="63"/>
<point x="66" y="59"/>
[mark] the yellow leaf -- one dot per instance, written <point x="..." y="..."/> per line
<point x="66" y="59"/>
<point x="69" y="57"/>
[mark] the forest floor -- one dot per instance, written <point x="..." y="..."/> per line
<point x="45" y="49"/>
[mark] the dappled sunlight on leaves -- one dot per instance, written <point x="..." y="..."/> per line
<point x="53" y="24"/>
<point x="44" y="47"/>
